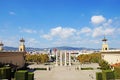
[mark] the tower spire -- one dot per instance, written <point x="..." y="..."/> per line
<point x="104" y="39"/>
<point x="22" y="46"/>
<point x="104" y="45"/>
<point x="1" y="46"/>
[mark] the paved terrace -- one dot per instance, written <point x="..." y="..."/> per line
<point x="66" y="73"/>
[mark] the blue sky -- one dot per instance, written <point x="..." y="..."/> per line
<point x="51" y="23"/>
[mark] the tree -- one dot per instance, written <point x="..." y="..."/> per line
<point x="38" y="58"/>
<point x="94" y="58"/>
<point x="104" y="65"/>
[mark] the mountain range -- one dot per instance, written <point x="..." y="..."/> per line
<point x="7" y="48"/>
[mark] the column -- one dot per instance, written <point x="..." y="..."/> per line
<point x="65" y="64"/>
<point x="60" y="58"/>
<point x="56" y="58"/>
<point x="69" y="59"/>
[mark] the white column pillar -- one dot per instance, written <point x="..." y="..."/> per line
<point x="69" y="58"/>
<point x="65" y="64"/>
<point x="60" y="58"/>
<point x="56" y="64"/>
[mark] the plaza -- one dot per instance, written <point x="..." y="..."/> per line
<point x="65" y="72"/>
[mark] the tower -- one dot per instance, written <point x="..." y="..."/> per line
<point x="105" y="45"/>
<point x="1" y="46"/>
<point x="22" y="46"/>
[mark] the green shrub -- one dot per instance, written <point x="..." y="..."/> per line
<point x="40" y="68"/>
<point x="88" y="68"/>
<point x="21" y="75"/>
<point x="108" y="75"/>
<point x="117" y="72"/>
<point x="1" y="73"/>
<point x="99" y="76"/>
<point x="30" y="76"/>
<point x="104" y="65"/>
<point x="8" y="73"/>
<point x="5" y="73"/>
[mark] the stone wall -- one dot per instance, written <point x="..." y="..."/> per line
<point x="111" y="57"/>
<point x="15" y="58"/>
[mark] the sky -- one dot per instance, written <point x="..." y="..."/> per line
<point x="54" y="23"/>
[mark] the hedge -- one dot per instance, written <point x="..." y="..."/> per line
<point x="21" y="75"/>
<point x="98" y="75"/>
<point x="24" y="75"/>
<point x="88" y="68"/>
<point x="8" y="73"/>
<point x="5" y="73"/>
<point x="108" y="75"/>
<point x="117" y="72"/>
<point x="30" y="76"/>
<point x="40" y="68"/>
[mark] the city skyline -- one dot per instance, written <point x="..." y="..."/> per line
<point x="52" y="23"/>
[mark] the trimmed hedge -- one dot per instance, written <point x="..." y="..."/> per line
<point x="30" y="76"/>
<point x="24" y="75"/>
<point x="98" y="75"/>
<point x="88" y="68"/>
<point x="2" y="73"/>
<point x="40" y="68"/>
<point x="21" y="75"/>
<point x="105" y="75"/>
<point x="5" y="73"/>
<point x="117" y="72"/>
<point x="108" y="75"/>
<point x="8" y="73"/>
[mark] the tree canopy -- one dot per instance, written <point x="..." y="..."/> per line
<point x="94" y="57"/>
<point x="38" y="58"/>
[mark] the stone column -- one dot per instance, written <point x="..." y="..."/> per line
<point x="56" y="64"/>
<point x="69" y="59"/>
<point x="65" y="64"/>
<point x="60" y="58"/>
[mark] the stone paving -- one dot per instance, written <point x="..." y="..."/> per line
<point x="66" y="73"/>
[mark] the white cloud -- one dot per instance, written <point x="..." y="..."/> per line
<point x="105" y="26"/>
<point x="60" y="36"/>
<point x="11" y="41"/>
<point x="28" y="31"/>
<point x="60" y="32"/>
<point x="98" y="19"/>
<point x="56" y="31"/>
<point x="108" y="23"/>
<point x="109" y="31"/>
<point x="48" y="37"/>
<point x="12" y="13"/>
<point x="31" y="42"/>
<point x="85" y="30"/>
<point x="100" y="31"/>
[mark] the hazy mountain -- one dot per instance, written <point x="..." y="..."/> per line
<point x="37" y="49"/>
<point x="7" y="48"/>
<point x="71" y="48"/>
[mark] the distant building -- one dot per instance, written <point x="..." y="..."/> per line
<point x="16" y="58"/>
<point x="111" y="56"/>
